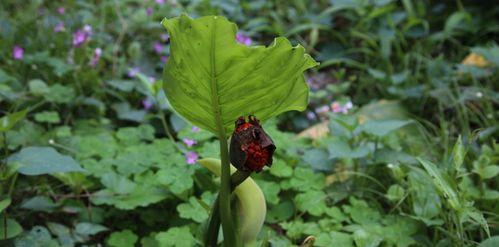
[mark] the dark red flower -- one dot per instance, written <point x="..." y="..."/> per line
<point x="250" y="147"/>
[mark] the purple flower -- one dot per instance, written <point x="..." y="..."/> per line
<point x="158" y="47"/>
<point x="152" y="79"/>
<point x="59" y="27"/>
<point x="322" y="109"/>
<point x="149" y="11"/>
<point x="195" y="129"/>
<point x="189" y="142"/>
<point x="96" y="57"/>
<point x="163" y="59"/>
<point x="17" y="52"/>
<point x="191" y="157"/>
<point x="87" y="29"/>
<point x="312" y="83"/>
<point x="243" y="39"/>
<point x="164" y="37"/>
<point x="346" y="107"/>
<point x="311" y="115"/>
<point x="147" y="104"/>
<point x="61" y="10"/>
<point x="336" y="107"/>
<point x="133" y="72"/>
<point x="81" y="36"/>
<point x="160" y="2"/>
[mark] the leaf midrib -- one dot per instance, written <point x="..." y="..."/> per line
<point x="213" y="84"/>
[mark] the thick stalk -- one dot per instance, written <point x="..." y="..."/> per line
<point x="225" y="212"/>
<point x="230" y="239"/>
<point x="212" y="233"/>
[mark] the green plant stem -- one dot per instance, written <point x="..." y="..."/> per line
<point x="228" y="228"/>
<point x="211" y="236"/>
<point x="168" y="133"/>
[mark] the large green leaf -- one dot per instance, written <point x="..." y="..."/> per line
<point x="211" y="80"/>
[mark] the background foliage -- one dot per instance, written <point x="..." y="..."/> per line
<point x="397" y="148"/>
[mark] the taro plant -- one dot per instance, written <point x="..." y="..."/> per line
<point x="217" y="84"/>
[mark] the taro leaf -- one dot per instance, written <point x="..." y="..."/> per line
<point x="211" y="80"/>
<point x="43" y="160"/>
<point x="9" y="229"/>
<point x="8" y="121"/>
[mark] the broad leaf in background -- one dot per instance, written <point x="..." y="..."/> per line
<point x="382" y="127"/>
<point x="43" y="160"/>
<point x="125" y="238"/>
<point x="490" y="242"/>
<point x="5" y="203"/>
<point x="9" y="228"/>
<point x="7" y="122"/>
<point x="210" y="75"/>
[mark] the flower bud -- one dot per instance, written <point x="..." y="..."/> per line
<point x="250" y="147"/>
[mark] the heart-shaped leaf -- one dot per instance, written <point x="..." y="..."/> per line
<point x="211" y="80"/>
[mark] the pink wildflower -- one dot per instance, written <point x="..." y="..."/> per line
<point x="311" y="115"/>
<point x="96" y="57"/>
<point x="322" y="109"/>
<point x="189" y="142"/>
<point x="243" y="39"/>
<point x="147" y="104"/>
<point x="158" y="47"/>
<point x="133" y="72"/>
<point x="191" y="157"/>
<point x="81" y="36"/>
<point x="17" y="52"/>
<point x="149" y="11"/>
<point x="195" y="129"/>
<point x="59" y="27"/>
<point x="336" y="107"/>
<point x="164" y="37"/>
<point x="61" y="10"/>
<point x="347" y="107"/>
